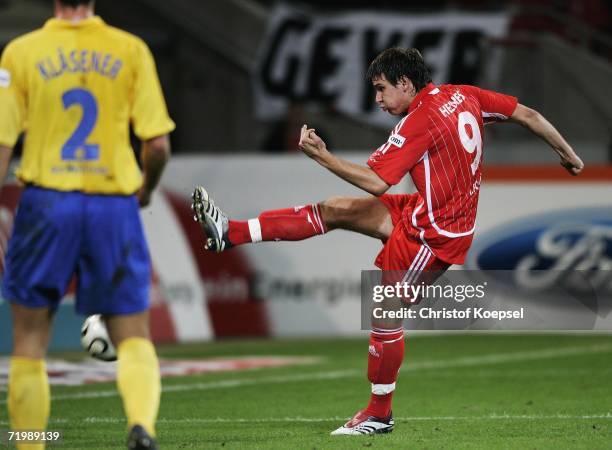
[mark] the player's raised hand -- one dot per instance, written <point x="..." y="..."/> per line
<point x="311" y="144"/>
<point x="573" y="164"/>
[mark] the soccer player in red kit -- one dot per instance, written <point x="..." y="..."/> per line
<point x="439" y="143"/>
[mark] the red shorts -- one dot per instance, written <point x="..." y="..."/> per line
<point x="401" y="251"/>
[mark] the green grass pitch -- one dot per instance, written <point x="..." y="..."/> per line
<point x="483" y="391"/>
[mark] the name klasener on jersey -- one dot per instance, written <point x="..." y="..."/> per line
<point x="79" y="61"/>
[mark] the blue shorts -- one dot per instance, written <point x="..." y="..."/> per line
<point x="97" y="237"/>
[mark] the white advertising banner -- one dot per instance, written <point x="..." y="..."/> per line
<point x="527" y="219"/>
<point x="323" y="58"/>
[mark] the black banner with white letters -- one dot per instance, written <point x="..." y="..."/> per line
<point x="323" y="58"/>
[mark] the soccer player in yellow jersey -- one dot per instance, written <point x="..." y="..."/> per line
<point x="74" y="87"/>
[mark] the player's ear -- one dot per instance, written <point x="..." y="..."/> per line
<point x="406" y="85"/>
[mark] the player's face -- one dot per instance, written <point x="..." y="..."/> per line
<point x="392" y="99"/>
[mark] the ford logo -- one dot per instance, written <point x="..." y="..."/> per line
<point x="546" y="249"/>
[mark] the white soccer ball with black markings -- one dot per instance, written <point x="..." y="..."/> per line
<point x="95" y="339"/>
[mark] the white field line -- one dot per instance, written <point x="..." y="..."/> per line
<point x="548" y="373"/>
<point x="219" y="384"/>
<point x="300" y="419"/>
<point x="470" y="361"/>
<point x="607" y="416"/>
<point x="499" y="358"/>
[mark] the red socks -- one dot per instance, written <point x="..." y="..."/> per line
<point x="289" y="224"/>
<point x="384" y="360"/>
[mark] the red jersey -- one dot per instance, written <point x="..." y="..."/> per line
<point x="439" y="143"/>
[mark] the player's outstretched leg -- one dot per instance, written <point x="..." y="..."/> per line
<point x="364" y="215"/>
<point x="289" y="224"/>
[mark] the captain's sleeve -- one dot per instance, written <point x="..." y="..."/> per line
<point x="402" y="151"/>
<point x="494" y="105"/>
<point x="12" y="99"/>
<point x="149" y="113"/>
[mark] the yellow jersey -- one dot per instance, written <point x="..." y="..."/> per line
<point x="75" y="88"/>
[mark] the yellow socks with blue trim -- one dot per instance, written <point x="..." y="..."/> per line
<point x="28" y="396"/>
<point x="139" y="382"/>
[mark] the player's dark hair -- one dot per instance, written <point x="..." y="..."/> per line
<point x="75" y="3"/>
<point x="396" y="63"/>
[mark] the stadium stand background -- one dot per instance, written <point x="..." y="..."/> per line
<point x="557" y="58"/>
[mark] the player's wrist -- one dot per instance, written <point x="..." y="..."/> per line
<point x="325" y="158"/>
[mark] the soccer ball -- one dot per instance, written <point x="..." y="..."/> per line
<point x="95" y="339"/>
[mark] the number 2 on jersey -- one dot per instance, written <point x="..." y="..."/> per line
<point x="76" y="147"/>
<point x="474" y="142"/>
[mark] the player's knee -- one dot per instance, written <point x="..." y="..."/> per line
<point x="122" y="327"/>
<point x="335" y="211"/>
<point x="30" y="346"/>
<point x="31" y="331"/>
<point x="386" y="323"/>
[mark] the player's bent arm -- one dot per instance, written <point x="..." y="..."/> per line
<point x="361" y="176"/>
<point x="537" y="124"/>
<point x="5" y="161"/>
<point x="154" y="155"/>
